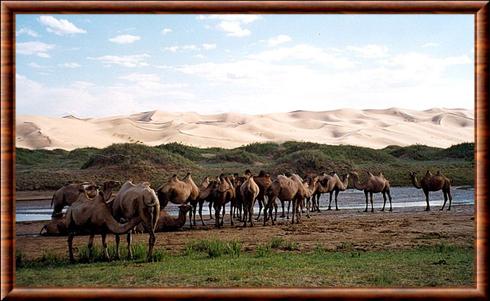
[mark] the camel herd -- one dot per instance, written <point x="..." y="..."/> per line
<point x="139" y="208"/>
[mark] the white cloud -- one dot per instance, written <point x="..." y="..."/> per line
<point x="208" y="46"/>
<point x="34" y="48"/>
<point x="370" y="51"/>
<point x="136" y="60"/>
<point x="124" y="39"/>
<point x="166" y="30"/>
<point x="60" y="26"/>
<point x="190" y="47"/>
<point x="277" y="40"/>
<point x="27" y="31"/>
<point x="232" y="25"/>
<point x="71" y="65"/>
<point x="35" y="65"/>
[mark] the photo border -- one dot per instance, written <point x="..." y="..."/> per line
<point x="480" y="10"/>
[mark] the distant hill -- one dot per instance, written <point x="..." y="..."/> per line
<point x="369" y="128"/>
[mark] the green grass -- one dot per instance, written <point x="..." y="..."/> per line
<point x="437" y="266"/>
<point x="43" y="169"/>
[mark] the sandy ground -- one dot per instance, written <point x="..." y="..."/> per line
<point x="334" y="230"/>
<point x="369" y="128"/>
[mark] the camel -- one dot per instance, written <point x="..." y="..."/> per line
<point x="94" y="216"/>
<point x="249" y="191"/>
<point x="57" y="226"/>
<point x="264" y="181"/>
<point x="223" y="193"/>
<point x="207" y="194"/>
<point x="66" y="195"/>
<point x="202" y="196"/>
<point x="137" y="201"/>
<point x="178" y="192"/>
<point x="330" y="184"/>
<point x="237" y="202"/>
<point x="286" y="189"/>
<point x="166" y="222"/>
<point x="312" y="185"/>
<point x="374" y="184"/>
<point x="433" y="183"/>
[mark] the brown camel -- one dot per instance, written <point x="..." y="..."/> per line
<point x="311" y="184"/>
<point x="330" y="184"/>
<point x="92" y="215"/>
<point x="223" y="193"/>
<point x="374" y="184"/>
<point x="433" y="183"/>
<point x="178" y="192"/>
<point x="166" y="222"/>
<point x="137" y="201"/>
<point x="286" y="189"/>
<point x="199" y="200"/>
<point x="264" y="181"/>
<point x="207" y="194"/>
<point x="249" y="191"/>
<point x="237" y="204"/>
<point x="66" y="195"/>
<point x="57" y="226"/>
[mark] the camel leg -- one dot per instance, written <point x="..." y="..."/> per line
<point x="118" y="239"/>
<point x="287" y="213"/>
<point x="190" y="218"/>
<point x="450" y="198"/>
<point x="57" y="211"/>
<point x="366" y="194"/>
<point x="210" y="210"/>
<point x="194" y="209"/>
<point x="250" y="214"/>
<point x="282" y="204"/>
<point x="231" y="216"/>
<point x="90" y="245"/>
<point x="308" y="207"/>
<point x="445" y="199"/>
<point x="384" y="201"/>
<point x="216" y="215"/>
<point x="130" y="251"/>
<point x="372" y="206"/>
<point x="389" y="198"/>
<point x="104" y="245"/>
<point x="223" y="215"/>
<point x="70" y="247"/>
<point x="275" y="212"/>
<point x="260" y="209"/>
<point x="200" y="211"/>
<point x="336" y="195"/>
<point x="330" y="201"/>
<point x="317" y="205"/>
<point x="426" y="192"/>
<point x="294" y="206"/>
<point x="151" y="243"/>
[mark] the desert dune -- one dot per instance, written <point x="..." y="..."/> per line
<point x="370" y="128"/>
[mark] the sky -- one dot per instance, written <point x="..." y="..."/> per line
<point x="105" y="65"/>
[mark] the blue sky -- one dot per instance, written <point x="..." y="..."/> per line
<point x="102" y="65"/>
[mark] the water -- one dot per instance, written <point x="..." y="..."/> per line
<point x="403" y="197"/>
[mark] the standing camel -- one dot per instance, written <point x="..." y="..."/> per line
<point x="286" y="189"/>
<point x="433" y="183"/>
<point x="199" y="200"/>
<point x="249" y="191"/>
<point x="178" y="192"/>
<point x="94" y="216"/>
<point x="374" y="184"/>
<point x="137" y="201"/>
<point x="224" y="193"/>
<point x="264" y="181"/>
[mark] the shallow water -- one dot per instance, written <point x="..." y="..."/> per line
<point x="402" y="197"/>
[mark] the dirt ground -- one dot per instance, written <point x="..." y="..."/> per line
<point x="333" y="230"/>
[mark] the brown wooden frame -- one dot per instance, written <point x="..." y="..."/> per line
<point x="480" y="10"/>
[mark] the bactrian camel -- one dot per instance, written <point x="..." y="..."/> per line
<point x="137" y="201"/>
<point x="92" y="215"/>
<point x="166" y="222"/>
<point x="249" y="191"/>
<point x="373" y="184"/>
<point x="432" y="182"/>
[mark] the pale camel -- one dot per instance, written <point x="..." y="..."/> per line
<point x="92" y="215"/>
<point x="223" y="193"/>
<point x="330" y="184"/>
<point x="137" y="201"/>
<point x="66" y="195"/>
<point x="166" y="222"/>
<point x="433" y="183"/>
<point x="374" y="184"/>
<point x="286" y="190"/>
<point x="249" y="191"/>
<point x="311" y="184"/>
<point x="178" y="192"/>
<point x="264" y="181"/>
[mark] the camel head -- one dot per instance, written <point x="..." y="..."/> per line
<point x="90" y="191"/>
<point x="248" y="173"/>
<point x="110" y="184"/>
<point x="262" y="173"/>
<point x="354" y="173"/>
<point x="413" y="174"/>
<point x="428" y="173"/>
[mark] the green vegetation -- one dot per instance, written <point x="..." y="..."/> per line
<point x="43" y="169"/>
<point x="214" y="263"/>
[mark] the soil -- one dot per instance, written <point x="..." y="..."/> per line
<point x="334" y="230"/>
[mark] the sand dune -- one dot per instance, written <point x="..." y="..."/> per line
<point x="370" y="128"/>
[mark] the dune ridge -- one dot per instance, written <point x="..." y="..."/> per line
<point x="437" y="127"/>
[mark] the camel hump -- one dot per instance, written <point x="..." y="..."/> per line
<point x="188" y="175"/>
<point x="428" y="173"/>
<point x="370" y="173"/>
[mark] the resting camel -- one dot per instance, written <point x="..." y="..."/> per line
<point x="433" y="183"/>
<point x="374" y="184"/>
<point x="264" y="181"/>
<point x="224" y="193"/>
<point x="57" y="226"/>
<point x="66" y="195"/>
<point x="94" y="216"/>
<point x="178" y="192"/>
<point x="137" y="201"/>
<point x="249" y="191"/>
<point x="166" y="222"/>
<point x="286" y="189"/>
